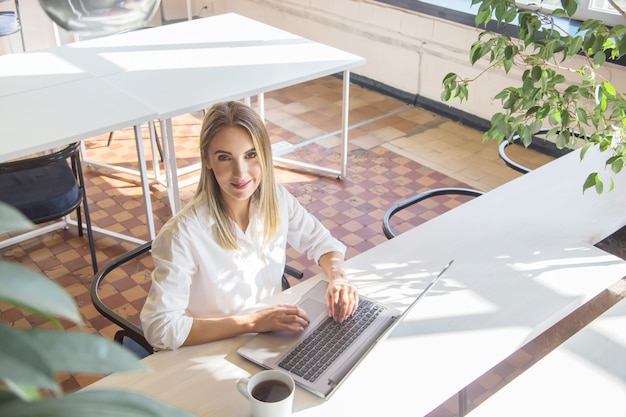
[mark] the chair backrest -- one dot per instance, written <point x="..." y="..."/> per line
<point x="45" y="188"/>
<point x="129" y="329"/>
<point x="40" y="160"/>
<point x="508" y="161"/>
<point x="389" y="233"/>
<point x="539" y="135"/>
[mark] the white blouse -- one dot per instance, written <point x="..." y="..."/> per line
<point x="195" y="277"/>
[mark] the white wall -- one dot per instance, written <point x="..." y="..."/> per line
<point x="404" y="50"/>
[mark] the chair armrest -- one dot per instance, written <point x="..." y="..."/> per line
<point x="420" y="197"/>
<point x="129" y="329"/>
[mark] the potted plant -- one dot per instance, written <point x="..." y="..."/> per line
<point x="561" y="89"/>
<point x="30" y="358"/>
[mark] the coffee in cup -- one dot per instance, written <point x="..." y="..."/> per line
<point x="270" y="393"/>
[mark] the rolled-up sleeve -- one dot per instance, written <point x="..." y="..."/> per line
<point x="306" y="233"/>
<point x="163" y="317"/>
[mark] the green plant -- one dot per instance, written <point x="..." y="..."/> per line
<point x="29" y="359"/>
<point x="562" y="87"/>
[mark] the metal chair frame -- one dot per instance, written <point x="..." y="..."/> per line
<point x="128" y="329"/>
<point x="519" y="167"/>
<point x="508" y="161"/>
<point x="421" y="197"/>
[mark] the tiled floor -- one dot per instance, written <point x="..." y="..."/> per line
<point x="395" y="151"/>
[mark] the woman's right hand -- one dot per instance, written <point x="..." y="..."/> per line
<point x="280" y="317"/>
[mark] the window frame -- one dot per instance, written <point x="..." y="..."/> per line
<point x="462" y="12"/>
<point x="584" y="11"/>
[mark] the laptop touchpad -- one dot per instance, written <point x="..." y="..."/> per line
<point x="313" y="308"/>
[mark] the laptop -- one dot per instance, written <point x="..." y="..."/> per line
<point x="317" y="368"/>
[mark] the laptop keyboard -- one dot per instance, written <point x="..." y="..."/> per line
<point x="318" y="351"/>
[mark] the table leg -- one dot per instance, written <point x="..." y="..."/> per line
<point x="154" y="148"/>
<point x="463" y="402"/>
<point x="345" y="110"/>
<point x="171" y="170"/>
<point x="339" y="173"/>
<point x="261" y="104"/>
<point x="144" y="182"/>
<point x="129" y="171"/>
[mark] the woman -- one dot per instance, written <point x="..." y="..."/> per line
<point x="226" y="250"/>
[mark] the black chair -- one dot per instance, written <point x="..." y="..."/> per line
<point x="541" y="133"/>
<point x="421" y="197"/>
<point x="131" y="334"/>
<point x="45" y="188"/>
<point x="508" y="161"/>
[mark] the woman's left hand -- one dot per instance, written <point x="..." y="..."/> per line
<point x="342" y="299"/>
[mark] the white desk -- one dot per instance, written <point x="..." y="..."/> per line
<point x="41" y="119"/>
<point x="35" y="70"/>
<point x="165" y="71"/>
<point x="524" y="259"/>
<point x="188" y="66"/>
<point x="585" y="376"/>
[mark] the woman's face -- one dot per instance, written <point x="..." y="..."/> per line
<point x="235" y="164"/>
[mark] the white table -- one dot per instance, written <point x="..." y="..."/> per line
<point x="524" y="260"/>
<point x="585" y="376"/>
<point x="188" y="66"/>
<point x="40" y="119"/>
<point x="168" y="71"/>
<point x="31" y="71"/>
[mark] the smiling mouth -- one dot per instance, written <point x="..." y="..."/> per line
<point x="241" y="185"/>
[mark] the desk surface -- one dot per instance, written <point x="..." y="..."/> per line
<point x="118" y="81"/>
<point x="41" y="119"/>
<point x="88" y="88"/>
<point x="188" y="66"/>
<point x="585" y="376"/>
<point x="524" y="259"/>
<point x="35" y="70"/>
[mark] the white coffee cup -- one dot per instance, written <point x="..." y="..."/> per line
<point x="270" y="393"/>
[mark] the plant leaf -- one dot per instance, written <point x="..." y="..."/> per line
<point x="92" y="402"/>
<point x="592" y="180"/>
<point x="22" y="364"/>
<point x="83" y="352"/>
<point x="599" y="59"/>
<point x="12" y="220"/>
<point x="570" y="6"/>
<point x="28" y="289"/>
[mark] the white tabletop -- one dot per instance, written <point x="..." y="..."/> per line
<point x="41" y="119"/>
<point x="585" y="376"/>
<point x="184" y="66"/>
<point x="34" y="70"/>
<point x="524" y="259"/>
<point x="109" y="83"/>
<point x="188" y="66"/>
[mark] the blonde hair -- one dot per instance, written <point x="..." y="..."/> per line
<point x="236" y="114"/>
